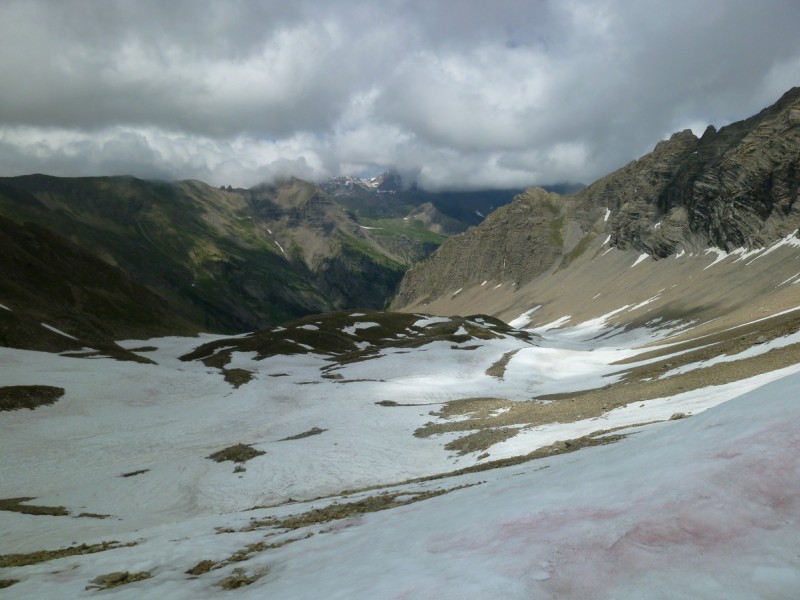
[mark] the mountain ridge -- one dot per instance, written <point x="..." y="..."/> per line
<point x="234" y="260"/>
<point x="729" y="191"/>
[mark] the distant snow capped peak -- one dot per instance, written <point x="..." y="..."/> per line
<point x="388" y="182"/>
<point x="373" y="182"/>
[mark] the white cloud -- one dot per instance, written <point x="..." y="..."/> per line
<point x="461" y="92"/>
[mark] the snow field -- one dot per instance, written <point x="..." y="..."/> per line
<point x="695" y="508"/>
<point x="701" y="508"/>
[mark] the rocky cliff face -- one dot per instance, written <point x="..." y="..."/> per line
<point x="736" y="187"/>
<point x="732" y="188"/>
<point x="348" y="266"/>
<point x="515" y="243"/>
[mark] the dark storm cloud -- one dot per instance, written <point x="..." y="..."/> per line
<point x="460" y="93"/>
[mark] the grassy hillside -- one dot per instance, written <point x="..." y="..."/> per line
<point x="226" y="260"/>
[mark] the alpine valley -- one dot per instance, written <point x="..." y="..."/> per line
<point x="589" y="394"/>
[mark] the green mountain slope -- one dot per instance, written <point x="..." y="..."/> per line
<point x="229" y="260"/>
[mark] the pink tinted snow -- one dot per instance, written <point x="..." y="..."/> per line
<point x="707" y="509"/>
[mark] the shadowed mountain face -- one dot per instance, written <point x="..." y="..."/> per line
<point x="730" y="191"/>
<point x="59" y="297"/>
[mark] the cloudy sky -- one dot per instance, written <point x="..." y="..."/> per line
<point x="454" y="93"/>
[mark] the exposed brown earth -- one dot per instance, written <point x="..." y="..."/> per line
<point x="498" y="369"/>
<point x="239" y="453"/>
<point x="484" y="424"/>
<point x="305" y="434"/>
<point x="239" y="578"/>
<point x="134" y="473"/>
<point x="116" y="579"/>
<point x="15" y="505"/>
<point x="32" y="558"/>
<point x="237" y="377"/>
<point x="15" y="397"/>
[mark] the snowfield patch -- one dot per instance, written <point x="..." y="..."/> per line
<point x="351" y="329"/>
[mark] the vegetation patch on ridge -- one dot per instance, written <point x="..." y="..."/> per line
<point x="337" y="511"/>
<point x="352" y="336"/>
<point x="482" y="439"/>
<point x="237" y="377"/>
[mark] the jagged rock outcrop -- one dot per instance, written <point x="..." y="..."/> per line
<point x="732" y="188"/>
<point x="736" y="187"/>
